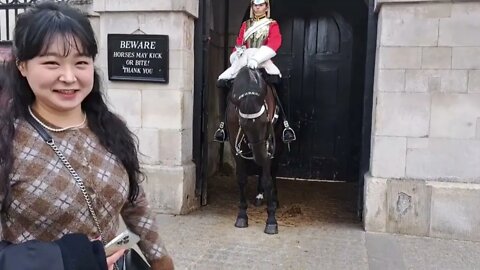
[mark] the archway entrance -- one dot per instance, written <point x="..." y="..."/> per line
<point x="322" y="61"/>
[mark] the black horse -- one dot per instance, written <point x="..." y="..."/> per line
<point x="253" y="140"/>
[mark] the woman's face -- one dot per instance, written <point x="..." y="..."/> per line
<point x="259" y="10"/>
<point x="60" y="83"/>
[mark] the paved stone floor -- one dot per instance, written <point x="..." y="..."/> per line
<point x="318" y="229"/>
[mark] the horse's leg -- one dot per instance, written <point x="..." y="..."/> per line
<point x="259" y="198"/>
<point x="271" y="227"/>
<point x="275" y="194"/>
<point x="242" y="218"/>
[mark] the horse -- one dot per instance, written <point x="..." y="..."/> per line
<point x="253" y="140"/>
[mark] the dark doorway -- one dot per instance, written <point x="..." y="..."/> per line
<point x="322" y="60"/>
<point x="323" y="48"/>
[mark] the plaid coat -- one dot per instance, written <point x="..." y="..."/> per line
<point x="47" y="203"/>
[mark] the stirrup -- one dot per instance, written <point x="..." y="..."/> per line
<point x="288" y="135"/>
<point x="220" y="135"/>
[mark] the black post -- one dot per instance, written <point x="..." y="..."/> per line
<point x="200" y="117"/>
<point x="226" y="59"/>
<point x="367" y="102"/>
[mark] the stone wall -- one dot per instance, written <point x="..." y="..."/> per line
<point x="160" y="114"/>
<point x="425" y="156"/>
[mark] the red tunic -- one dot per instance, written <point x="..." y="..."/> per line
<point x="274" y="39"/>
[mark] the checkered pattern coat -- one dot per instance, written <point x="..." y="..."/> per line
<point x="48" y="204"/>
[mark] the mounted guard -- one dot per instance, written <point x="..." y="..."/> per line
<point x="258" y="41"/>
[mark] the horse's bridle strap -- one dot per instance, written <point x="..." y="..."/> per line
<point x="254" y="115"/>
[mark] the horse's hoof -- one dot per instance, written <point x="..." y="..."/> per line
<point x="258" y="202"/>
<point x="271" y="229"/>
<point x="241" y="223"/>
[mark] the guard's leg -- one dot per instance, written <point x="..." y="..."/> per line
<point x="220" y="134"/>
<point x="288" y="135"/>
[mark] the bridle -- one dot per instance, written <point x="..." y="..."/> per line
<point x="252" y="116"/>
<point x="241" y="135"/>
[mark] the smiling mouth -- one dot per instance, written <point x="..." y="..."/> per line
<point x="66" y="91"/>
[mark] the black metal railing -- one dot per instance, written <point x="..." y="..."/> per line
<point x="9" y="10"/>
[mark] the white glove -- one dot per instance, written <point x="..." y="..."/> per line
<point x="252" y="64"/>
<point x="264" y="53"/>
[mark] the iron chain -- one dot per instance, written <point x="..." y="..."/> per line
<point x="80" y="184"/>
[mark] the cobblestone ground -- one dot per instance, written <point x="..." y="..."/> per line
<point x="318" y="229"/>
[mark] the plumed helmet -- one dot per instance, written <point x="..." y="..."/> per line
<point x="259" y="2"/>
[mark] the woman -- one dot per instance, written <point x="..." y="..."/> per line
<point x="53" y="81"/>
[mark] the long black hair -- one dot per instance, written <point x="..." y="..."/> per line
<point x="35" y="30"/>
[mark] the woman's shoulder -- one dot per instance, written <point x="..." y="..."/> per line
<point x="21" y="125"/>
<point x="24" y="132"/>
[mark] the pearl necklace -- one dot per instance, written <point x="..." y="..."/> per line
<point x="56" y="129"/>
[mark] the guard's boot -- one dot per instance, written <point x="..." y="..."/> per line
<point x="220" y="134"/>
<point x="288" y="135"/>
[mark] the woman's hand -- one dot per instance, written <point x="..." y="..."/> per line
<point x="112" y="259"/>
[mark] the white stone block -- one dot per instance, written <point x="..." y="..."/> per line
<point x="428" y="9"/>
<point x="436" y="81"/>
<point x="408" y="32"/>
<point x="400" y="114"/>
<point x="171" y="150"/>
<point x="460" y="31"/>
<point x="465" y="9"/>
<point x="171" y="190"/>
<point x="127" y="104"/>
<point x="400" y="57"/>
<point x="187" y="119"/>
<point x="181" y="59"/>
<point x="95" y="22"/>
<point x="448" y="159"/>
<point x="454" y="116"/>
<point x="101" y="62"/>
<point x="390" y="80"/>
<point x="454" y="211"/>
<point x="187" y="6"/>
<point x="162" y="109"/>
<point x="178" y="27"/>
<point x="149" y="145"/>
<point x="180" y="79"/>
<point x="161" y="147"/>
<point x="417" y="143"/>
<point x="388" y="157"/>
<point x="432" y="9"/>
<point x="408" y="207"/>
<point x="474" y="81"/>
<point x="375" y="204"/>
<point x="436" y="58"/>
<point x="466" y="58"/>
<point x="187" y="145"/>
<point x="116" y="23"/>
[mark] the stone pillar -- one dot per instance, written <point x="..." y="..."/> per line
<point x="160" y="114"/>
<point x="424" y="174"/>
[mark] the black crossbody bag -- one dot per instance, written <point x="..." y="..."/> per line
<point x="131" y="260"/>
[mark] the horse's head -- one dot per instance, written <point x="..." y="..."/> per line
<point x="248" y="95"/>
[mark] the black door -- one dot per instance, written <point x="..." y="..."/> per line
<point x="316" y="63"/>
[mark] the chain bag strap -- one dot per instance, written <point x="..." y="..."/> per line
<point x="50" y="142"/>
